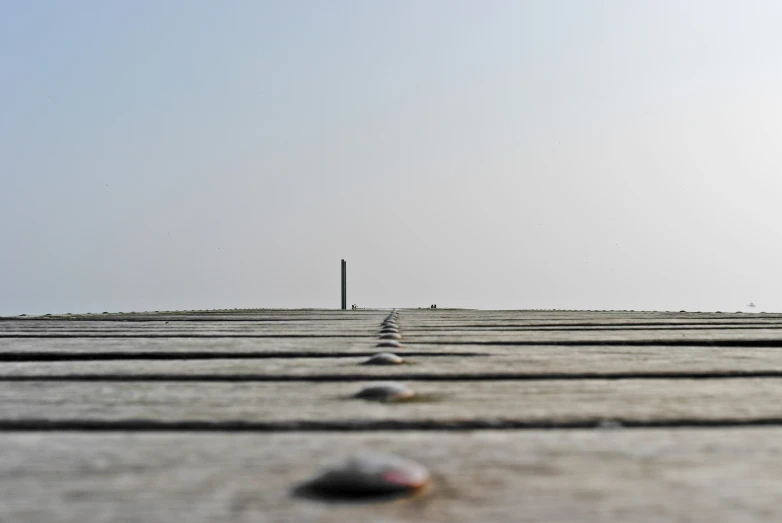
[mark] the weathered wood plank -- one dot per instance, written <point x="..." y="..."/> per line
<point x="280" y="328"/>
<point x="772" y="337"/>
<point x="538" y="335"/>
<point x="583" y="476"/>
<point x="693" y="337"/>
<point x="445" y="403"/>
<point x="495" y="362"/>
<point x="550" y="356"/>
<point x="186" y="345"/>
<point x="758" y="334"/>
<point x="425" y="313"/>
<point x="349" y="322"/>
<point x="411" y="316"/>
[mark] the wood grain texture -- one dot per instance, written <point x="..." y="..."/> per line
<point x="568" y="476"/>
<point x="445" y="403"/>
<point x="420" y="328"/>
<point x="494" y="362"/>
<point x="324" y="346"/>
<point x="166" y="415"/>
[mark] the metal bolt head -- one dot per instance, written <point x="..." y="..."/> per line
<point x="386" y="391"/>
<point x="368" y="473"/>
<point x="384" y="358"/>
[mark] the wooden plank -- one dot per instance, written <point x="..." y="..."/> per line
<point x="500" y="319"/>
<point x="770" y="337"/>
<point x="579" y="476"/>
<point x="290" y="405"/>
<point x="541" y="335"/>
<point x="694" y="337"/>
<point x="294" y="321"/>
<point x="495" y="362"/>
<point x="185" y="328"/>
<point x="365" y="345"/>
<point x="258" y="315"/>
<point x="480" y="318"/>
<point x="737" y="352"/>
<point x="410" y="317"/>
<point x="414" y="333"/>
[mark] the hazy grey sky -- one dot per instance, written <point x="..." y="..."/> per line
<point x="549" y="154"/>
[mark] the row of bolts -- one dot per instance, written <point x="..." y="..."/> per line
<point x="389" y="338"/>
<point x="371" y="473"/>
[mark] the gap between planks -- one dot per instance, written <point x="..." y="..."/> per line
<point x="142" y="425"/>
<point x="507" y="376"/>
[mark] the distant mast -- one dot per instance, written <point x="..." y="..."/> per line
<point x="344" y="285"/>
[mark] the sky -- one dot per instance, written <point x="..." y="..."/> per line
<point x="567" y="154"/>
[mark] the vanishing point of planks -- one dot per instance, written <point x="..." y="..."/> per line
<point x="524" y="415"/>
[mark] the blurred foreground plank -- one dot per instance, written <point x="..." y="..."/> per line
<point x="578" y="476"/>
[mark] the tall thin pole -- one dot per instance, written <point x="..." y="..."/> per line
<point x="344" y="285"/>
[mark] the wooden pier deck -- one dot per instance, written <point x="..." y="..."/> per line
<point x="523" y="415"/>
